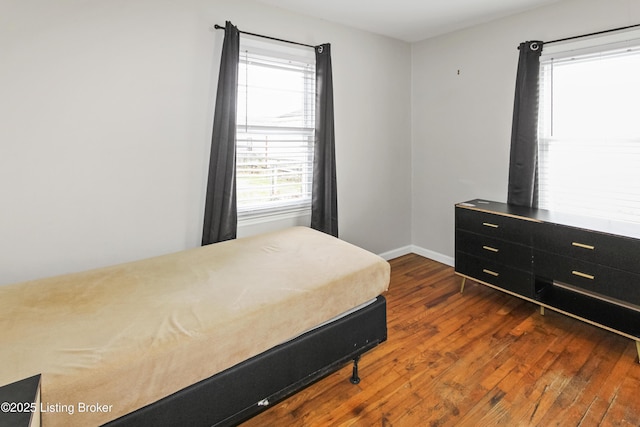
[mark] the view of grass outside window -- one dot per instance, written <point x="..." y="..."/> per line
<point x="589" y="134"/>
<point x="275" y="133"/>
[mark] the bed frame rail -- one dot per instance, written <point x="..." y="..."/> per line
<point x="254" y="385"/>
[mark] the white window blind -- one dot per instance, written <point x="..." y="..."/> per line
<point x="589" y="132"/>
<point x="275" y="131"/>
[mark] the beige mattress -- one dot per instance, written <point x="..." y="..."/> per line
<point x="125" y="336"/>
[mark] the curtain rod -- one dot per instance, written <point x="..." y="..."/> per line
<point x="592" y="34"/>
<point x="219" y="27"/>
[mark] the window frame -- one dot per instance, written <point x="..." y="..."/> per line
<point x="281" y="209"/>
<point x="575" y="51"/>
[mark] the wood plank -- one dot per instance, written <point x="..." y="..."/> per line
<point x="478" y="358"/>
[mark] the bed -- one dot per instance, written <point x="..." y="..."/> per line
<point x="208" y="336"/>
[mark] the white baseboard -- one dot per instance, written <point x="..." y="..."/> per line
<point x="413" y="249"/>
<point x="436" y="256"/>
<point x="395" y="253"/>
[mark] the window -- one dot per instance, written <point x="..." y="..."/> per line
<point x="275" y="133"/>
<point x="589" y="132"/>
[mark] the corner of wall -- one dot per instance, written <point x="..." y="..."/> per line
<point x="413" y="249"/>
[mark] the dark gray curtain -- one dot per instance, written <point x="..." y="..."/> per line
<point x="324" y="195"/>
<point x="523" y="162"/>
<point x="220" y="212"/>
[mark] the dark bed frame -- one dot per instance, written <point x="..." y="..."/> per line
<point x="244" y="390"/>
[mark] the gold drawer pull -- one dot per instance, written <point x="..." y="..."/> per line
<point x="583" y="246"/>
<point x="584" y="275"/>
<point x="489" y="248"/>
<point x="493" y="273"/>
<point x="488" y="224"/>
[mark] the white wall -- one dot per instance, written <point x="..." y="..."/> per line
<point x="106" y="110"/>
<point x="462" y="122"/>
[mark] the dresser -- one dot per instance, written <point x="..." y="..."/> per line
<point x="582" y="267"/>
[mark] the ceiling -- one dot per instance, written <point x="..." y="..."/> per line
<point x="409" y="20"/>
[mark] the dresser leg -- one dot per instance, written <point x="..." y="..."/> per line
<point x="638" y="348"/>
<point x="542" y="310"/>
<point x="464" y="279"/>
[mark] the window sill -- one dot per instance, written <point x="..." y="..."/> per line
<point x="270" y="215"/>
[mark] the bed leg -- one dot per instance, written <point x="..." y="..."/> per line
<point x="355" y="379"/>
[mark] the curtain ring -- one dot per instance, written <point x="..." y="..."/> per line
<point x="320" y="49"/>
<point x="534" y="46"/>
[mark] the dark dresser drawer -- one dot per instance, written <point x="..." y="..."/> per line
<point x="511" y="279"/>
<point x="613" y="251"/>
<point x="496" y="250"/>
<point x="605" y="281"/>
<point x="498" y="226"/>
<point x="588" y="268"/>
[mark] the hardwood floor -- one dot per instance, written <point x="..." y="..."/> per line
<point x="481" y="358"/>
